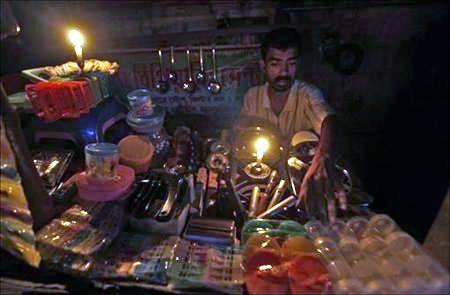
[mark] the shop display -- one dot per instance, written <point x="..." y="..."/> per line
<point x="181" y="213"/>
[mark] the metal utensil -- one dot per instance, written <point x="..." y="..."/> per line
<point x="273" y="179"/>
<point x="254" y="200"/>
<point x="201" y="76"/>
<point x="166" y="208"/>
<point x="162" y="86"/>
<point x="189" y="85"/>
<point x="286" y="203"/>
<point x="214" y="86"/>
<point x="172" y="74"/>
<point x="279" y="191"/>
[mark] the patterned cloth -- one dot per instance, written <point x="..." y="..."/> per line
<point x="305" y="108"/>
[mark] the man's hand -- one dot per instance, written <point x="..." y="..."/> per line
<point x="321" y="188"/>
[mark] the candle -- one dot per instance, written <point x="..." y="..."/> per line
<point x="77" y="39"/>
<point x="261" y="146"/>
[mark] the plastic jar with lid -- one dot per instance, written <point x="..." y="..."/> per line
<point x="151" y="126"/>
<point x="140" y="101"/>
<point x="101" y="161"/>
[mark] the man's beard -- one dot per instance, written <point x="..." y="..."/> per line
<point x="281" y="84"/>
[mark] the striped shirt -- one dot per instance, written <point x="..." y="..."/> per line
<point x="305" y="108"/>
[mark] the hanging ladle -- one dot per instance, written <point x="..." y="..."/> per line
<point x="189" y="85"/>
<point x="214" y="86"/>
<point x="172" y="74"/>
<point x="162" y="86"/>
<point x="201" y="76"/>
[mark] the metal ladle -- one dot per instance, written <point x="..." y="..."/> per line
<point x="189" y="85"/>
<point x="214" y="86"/>
<point x="201" y="76"/>
<point x="172" y="74"/>
<point x="162" y="86"/>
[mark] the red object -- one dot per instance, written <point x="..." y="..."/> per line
<point x="265" y="274"/>
<point x="308" y="275"/>
<point x="56" y="100"/>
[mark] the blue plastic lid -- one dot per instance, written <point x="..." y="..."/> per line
<point x="101" y="149"/>
<point x="138" y="95"/>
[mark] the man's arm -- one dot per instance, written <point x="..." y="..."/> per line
<point x="320" y="187"/>
<point x="327" y="142"/>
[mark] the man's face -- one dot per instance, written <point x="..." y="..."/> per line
<point x="280" y="67"/>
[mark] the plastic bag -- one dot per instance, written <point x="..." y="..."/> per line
<point x="16" y="224"/>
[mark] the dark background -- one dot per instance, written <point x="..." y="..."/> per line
<point x="394" y="109"/>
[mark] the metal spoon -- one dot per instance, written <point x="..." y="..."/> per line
<point x="172" y="74"/>
<point x="162" y="86"/>
<point x="189" y="85"/>
<point x="201" y="76"/>
<point x="214" y="86"/>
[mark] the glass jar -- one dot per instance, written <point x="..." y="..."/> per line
<point x="151" y="126"/>
<point x="140" y="102"/>
<point x="101" y="161"/>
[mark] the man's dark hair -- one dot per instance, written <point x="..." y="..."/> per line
<point x="281" y="38"/>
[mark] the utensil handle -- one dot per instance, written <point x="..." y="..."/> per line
<point x="160" y="64"/>
<point x="188" y="56"/>
<point x="214" y="63"/>
<point x="201" y="59"/>
<point x="172" y="58"/>
<point x="278" y="207"/>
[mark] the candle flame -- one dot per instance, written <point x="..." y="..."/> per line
<point x="76" y="38"/>
<point x="261" y="146"/>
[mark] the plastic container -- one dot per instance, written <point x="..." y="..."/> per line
<point x="55" y="100"/>
<point x="279" y="258"/>
<point x="101" y="161"/>
<point x="136" y="152"/>
<point x="272" y="228"/>
<point x="148" y="122"/>
<point x="151" y="126"/>
<point x="140" y="101"/>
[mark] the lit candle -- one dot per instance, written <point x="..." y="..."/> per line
<point x="261" y="146"/>
<point x="77" y="39"/>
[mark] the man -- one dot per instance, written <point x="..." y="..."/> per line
<point x="292" y="105"/>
